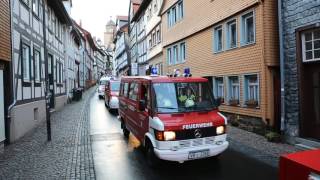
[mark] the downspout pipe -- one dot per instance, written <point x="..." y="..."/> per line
<point x="47" y="89"/>
<point x="282" y="69"/>
<point x="11" y="64"/>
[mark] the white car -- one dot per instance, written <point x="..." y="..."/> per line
<point x="102" y="83"/>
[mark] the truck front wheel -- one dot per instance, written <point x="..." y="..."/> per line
<point x="152" y="159"/>
<point x="125" y="131"/>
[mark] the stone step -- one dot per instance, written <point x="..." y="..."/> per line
<point x="304" y="147"/>
<point x="307" y="143"/>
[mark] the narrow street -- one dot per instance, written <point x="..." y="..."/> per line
<point x="118" y="158"/>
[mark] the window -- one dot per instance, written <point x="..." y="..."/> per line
<point x="219" y="88"/>
<point x="133" y="92"/>
<point x="175" y="14"/>
<point x="234" y="90"/>
<point x="158" y="35"/>
<point x="37" y="65"/>
<point x="154" y="39"/>
<point x="231" y="34"/>
<point x="175" y="54"/>
<point x="169" y="56"/>
<point x="150" y="43"/>
<point x="248" y="29"/>
<point x="125" y="89"/>
<point x="169" y="18"/>
<point x="183" y="52"/>
<point x="218" y="39"/>
<point x="180" y="10"/>
<point x="251" y="90"/>
<point x="311" y="45"/>
<point x="155" y="6"/>
<point x="35" y="7"/>
<point x="26" y="62"/>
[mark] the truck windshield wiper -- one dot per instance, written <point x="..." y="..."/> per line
<point x="168" y="107"/>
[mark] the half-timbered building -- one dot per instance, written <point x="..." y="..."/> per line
<point x="38" y="56"/>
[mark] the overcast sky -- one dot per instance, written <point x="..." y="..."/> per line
<point x="94" y="14"/>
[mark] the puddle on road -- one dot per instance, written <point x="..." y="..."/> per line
<point x="132" y="143"/>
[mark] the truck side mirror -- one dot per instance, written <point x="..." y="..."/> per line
<point x="142" y="105"/>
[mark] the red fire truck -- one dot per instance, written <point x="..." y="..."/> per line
<point x="174" y="118"/>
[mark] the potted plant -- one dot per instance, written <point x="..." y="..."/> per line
<point x="273" y="136"/>
<point x="252" y="103"/>
<point x="234" y="102"/>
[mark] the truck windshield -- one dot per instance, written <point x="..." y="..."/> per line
<point x="183" y="97"/>
<point x="103" y="82"/>
<point x="115" y="86"/>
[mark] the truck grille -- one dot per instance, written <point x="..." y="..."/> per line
<point x="190" y="133"/>
<point x="196" y="142"/>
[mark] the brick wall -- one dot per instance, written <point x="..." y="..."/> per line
<point x="5" y="32"/>
<point x="296" y="14"/>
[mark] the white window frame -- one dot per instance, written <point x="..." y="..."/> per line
<point x="247" y="85"/>
<point x="232" y="85"/>
<point x="180" y="10"/>
<point x="219" y="88"/>
<point x="182" y="52"/>
<point x="169" y="56"/>
<point x="175" y="54"/>
<point x="244" y="28"/>
<point x="26" y="62"/>
<point x="312" y="41"/>
<point x="37" y="65"/>
<point x="229" y="34"/>
<point x="216" y="38"/>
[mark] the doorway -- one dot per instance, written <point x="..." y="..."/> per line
<point x="310" y="101"/>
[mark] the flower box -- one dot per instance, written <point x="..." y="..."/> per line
<point x="252" y="103"/>
<point x="233" y="102"/>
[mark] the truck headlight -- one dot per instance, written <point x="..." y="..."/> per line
<point x="165" y="135"/>
<point x="169" y="135"/>
<point x="220" y="130"/>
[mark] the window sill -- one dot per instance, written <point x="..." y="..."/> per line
<point x="218" y="52"/>
<point x="248" y="44"/>
<point x="232" y="48"/>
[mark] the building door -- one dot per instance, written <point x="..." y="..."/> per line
<point x="2" y="130"/>
<point x="310" y="106"/>
<point x="51" y="80"/>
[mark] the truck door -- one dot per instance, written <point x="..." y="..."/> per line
<point x="143" y="112"/>
<point x="132" y="109"/>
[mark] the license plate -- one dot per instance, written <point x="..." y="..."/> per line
<point x="198" y="154"/>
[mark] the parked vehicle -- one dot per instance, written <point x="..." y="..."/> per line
<point x="102" y="83"/>
<point x="174" y="118"/>
<point x="111" y="94"/>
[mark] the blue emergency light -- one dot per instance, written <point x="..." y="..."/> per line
<point x="154" y="71"/>
<point x="187" y="72"/>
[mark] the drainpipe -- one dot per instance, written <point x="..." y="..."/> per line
<point x="11" y="64"/>
<point x="47" y="90"/>
<point x="282" y="74"/>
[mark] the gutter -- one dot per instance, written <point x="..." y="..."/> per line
<point x="11" y="64"/>
<point x="282" y="75"/>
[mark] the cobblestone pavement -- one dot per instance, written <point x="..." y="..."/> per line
<point x="257" y="146"/>
<point x="67" y="156"/>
